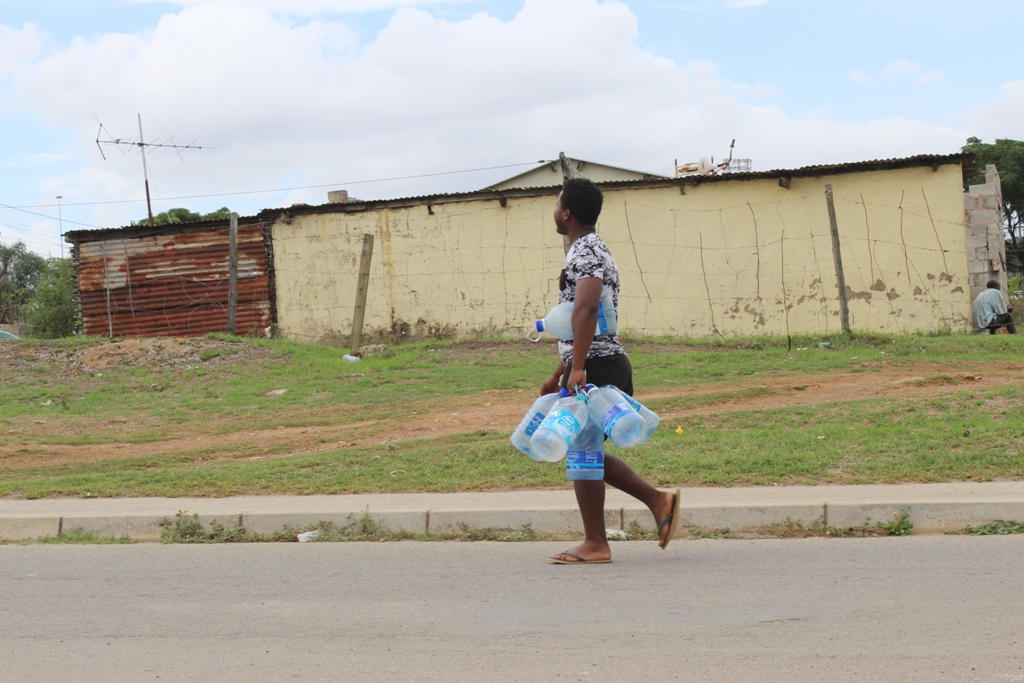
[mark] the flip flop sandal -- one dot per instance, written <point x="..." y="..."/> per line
<point x="672" y="521"/>
<point x="578" y="560"/>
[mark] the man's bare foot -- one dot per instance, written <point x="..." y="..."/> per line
<point x="585" y="553"/>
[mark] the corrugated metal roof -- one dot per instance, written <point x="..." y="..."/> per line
<point x="579" y="164"/>
<point x="173" y="282"/>
<point x="968" y="161"/>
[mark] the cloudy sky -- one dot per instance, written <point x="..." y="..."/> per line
<point x="391" y="98"/>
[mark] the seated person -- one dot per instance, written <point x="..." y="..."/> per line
<point x="990" y="311"/>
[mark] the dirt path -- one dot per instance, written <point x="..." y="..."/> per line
<point x="501" y="410"/>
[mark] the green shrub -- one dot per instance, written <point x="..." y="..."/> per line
<point x="51" y="311"/>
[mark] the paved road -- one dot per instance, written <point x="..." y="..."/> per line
<point x="924" y="608"/>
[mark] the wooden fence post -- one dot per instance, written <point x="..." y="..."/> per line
<point x="837" y="256"/>
<point x="232" y="271"/>
<point x="361" y="286"/>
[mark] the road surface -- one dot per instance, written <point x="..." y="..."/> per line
<point x="922" y="608"/>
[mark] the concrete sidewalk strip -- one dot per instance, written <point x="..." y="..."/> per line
<point x="26" y="527"/>
<point x="926" y="516"/>
<point x="733" y="517"/>
<point x="559" y="523"/>
<point x="135" y="527"/>
<point x="412" y="521"/>
<point x="932" y="507"/>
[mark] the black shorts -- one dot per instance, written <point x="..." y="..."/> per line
<point x="605" y="370"/>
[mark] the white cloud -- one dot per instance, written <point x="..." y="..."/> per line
<point x="283" y="104"/>
<point x="309" y="7"/>
<point x="899" y="70"/>
<point x="730" y="4"/>
<point x="17" y="47"/>
<point x="1000" y="117"/>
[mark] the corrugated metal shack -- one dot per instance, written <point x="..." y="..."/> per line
<point x="172" y="280"/>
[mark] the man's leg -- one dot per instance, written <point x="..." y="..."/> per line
<point x="1002" y="320"/>
<point x="590" y="498"/>
<point x="621" y="476"/>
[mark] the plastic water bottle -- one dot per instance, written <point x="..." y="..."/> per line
<point x="534" y="416"/>
<point x="585" y="459"/>
<point x="617" y="418"/>
<point x="651" y="419"/>
<point x="558" y="322"/>
<point x="564" y="423"/>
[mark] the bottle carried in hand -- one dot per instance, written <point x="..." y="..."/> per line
<point x="618" y="419"/>
<point x="564" y="423"/>
<point x="531" y="421"/>
<point x="558" y="322"/>
<point x="651" y="419"/>
<point x="585" y="459"/>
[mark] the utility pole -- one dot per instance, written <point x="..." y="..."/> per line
<point x="145" y="171"/>
<point x="60" y="217"/>
<point x="142" y="145"/>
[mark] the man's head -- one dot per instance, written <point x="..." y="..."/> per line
<point x="580" y="200"/>
<point x="993" y="284"/>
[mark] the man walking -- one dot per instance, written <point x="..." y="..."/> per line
<point x="590" y="271"/>
<point x="990" y="311"/>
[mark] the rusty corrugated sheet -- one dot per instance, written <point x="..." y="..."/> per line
<point x="174" y="283"/>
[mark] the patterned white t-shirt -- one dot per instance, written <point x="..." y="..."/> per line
<point x="589" y="257"/>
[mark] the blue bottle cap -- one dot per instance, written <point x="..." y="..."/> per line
<point x="540" y="325"/>
<point x="564" y="392"/>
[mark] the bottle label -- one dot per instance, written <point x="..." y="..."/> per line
<point x="577" y="462"/>
<point x="534" y="423"/>
<point x="602" y="321"/>
<point x="563" y="423"/>
<point x="613" y="414"/>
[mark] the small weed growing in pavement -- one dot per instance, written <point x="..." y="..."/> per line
<point x="365" y="528"/>
<point x="697" y="534"/>
<point x="463" y="533"/>
<point x="900" y="524"/>
<point x="78" y="535"/>
<point x="791" y="529"/>
<point x="185" y="528"/>
<point x="635" y="532"/>
<point x="188" y="529"/>
<point x="997" y="528"/>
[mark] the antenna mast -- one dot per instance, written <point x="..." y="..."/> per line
<point x="145" y="171"/>
<point x="142" y="145"/>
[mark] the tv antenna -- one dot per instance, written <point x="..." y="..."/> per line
<point x="142" y="145"/>
<point x="706" y="165"/>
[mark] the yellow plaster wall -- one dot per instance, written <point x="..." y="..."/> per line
<point x="726" y="258"/>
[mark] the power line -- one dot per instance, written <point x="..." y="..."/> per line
<point x="280" y="189"/>
<point x="52" y="218"/>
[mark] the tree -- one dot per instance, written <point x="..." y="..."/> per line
<point x="51" y="311"/>
<point x="20" y="272"/>
<point x="1008" y="157"/>
<point x="180" y="215"/>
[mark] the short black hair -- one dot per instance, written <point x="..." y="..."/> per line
<point x="993" y="284"/>
<point x="583" y="198"/>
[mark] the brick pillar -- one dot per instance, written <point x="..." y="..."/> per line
<point x="986" y="244"/>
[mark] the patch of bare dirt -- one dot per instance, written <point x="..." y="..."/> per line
<point x="156" y="352"/>
<point x="501" y="410"/>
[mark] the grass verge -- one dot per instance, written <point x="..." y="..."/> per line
<point x="967" y="434"/>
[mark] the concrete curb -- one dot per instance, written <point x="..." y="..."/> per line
<point x="932" y="508"/>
